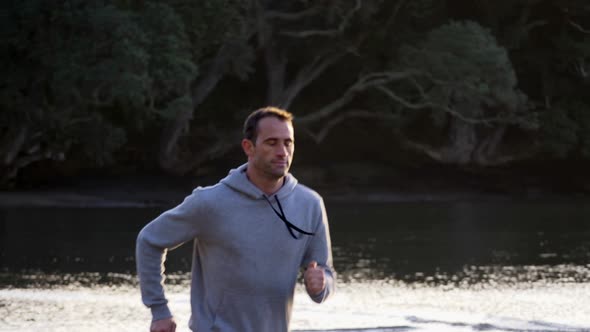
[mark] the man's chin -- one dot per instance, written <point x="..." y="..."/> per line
<point x="279" y="172"/>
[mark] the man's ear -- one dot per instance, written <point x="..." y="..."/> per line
<point x="248" y="147"/>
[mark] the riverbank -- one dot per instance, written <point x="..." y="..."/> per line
<point x="169" y="198"/>
<point x="166" y="191"/>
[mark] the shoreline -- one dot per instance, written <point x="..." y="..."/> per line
<point x="141" y="198"/>
<point x="152" y="190"/>
<point x="344" y="183"/>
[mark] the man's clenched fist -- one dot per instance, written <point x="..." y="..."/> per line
<point x="315" y="278"/>
<point x="163" y="325"/>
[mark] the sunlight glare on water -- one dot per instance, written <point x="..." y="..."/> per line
<point x="526" y="306"/>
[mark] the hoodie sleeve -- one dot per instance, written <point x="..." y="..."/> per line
<point x="320" y="250"/>
<point x="168" y="231"/>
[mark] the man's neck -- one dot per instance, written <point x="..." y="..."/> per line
<point x="268" y="186"/>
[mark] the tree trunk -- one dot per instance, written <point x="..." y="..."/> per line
<point x="19" y="150"/>
<point x="462" y="143"/>
<point x="218" y="149"/>
<point x="487" y="151"/>
<point x="12" y="145"/>
<point x="457" y="151"/>
<point x="168" y="154"/>
<point x="276" y="66"/>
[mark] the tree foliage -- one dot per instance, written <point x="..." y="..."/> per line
<point x="83" y="80"/>
<point x="80" y="75"/>
<point x="471" y="90"/>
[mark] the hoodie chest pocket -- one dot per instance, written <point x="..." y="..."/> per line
<point x="256" y="313"/>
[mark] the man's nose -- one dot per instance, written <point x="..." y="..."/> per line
<point x="282" y="150"/>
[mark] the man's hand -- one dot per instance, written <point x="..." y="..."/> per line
<point x="315" y="278"/>
<point x="163" y="325"/>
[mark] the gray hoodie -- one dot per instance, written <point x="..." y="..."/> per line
<point x="246" y="256"/>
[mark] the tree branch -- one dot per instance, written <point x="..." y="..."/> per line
<point x="534" y="24"/>
<point x="23" y="161"/>
<point x="13" y="145"/>
<point x="310" y="33"/>
<point x="220" y="148"/>
<point x="578" y="27"/>
<point x="307" y="75"/>
<point x="328" y="32"/>
<point x="200" y="89"/>
<point x="581" y="67"/>
<point x="396" y="9"/>
<point x="430" y="151"/>
<point x="358" y="114"/>
<point x="428" y="104"/>
<point x="362" y="84"/>
<point x="276" y="67"/>
<point x="439" y="154"/>
<point x="292" y="16"/>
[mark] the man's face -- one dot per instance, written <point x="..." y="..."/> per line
<point x="272" y="154"/>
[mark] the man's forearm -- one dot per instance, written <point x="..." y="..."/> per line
<point x="150" y="270"/>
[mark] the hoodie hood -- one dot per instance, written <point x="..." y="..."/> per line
<point x="238" y="181"/>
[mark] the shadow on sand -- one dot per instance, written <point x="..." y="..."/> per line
<point x="433" y="325"/>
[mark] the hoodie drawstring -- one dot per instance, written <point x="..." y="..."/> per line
<point x="281" y="215"/>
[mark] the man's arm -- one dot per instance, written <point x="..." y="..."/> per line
<point x="168" y="231"/>
<point x="319" y="274"/>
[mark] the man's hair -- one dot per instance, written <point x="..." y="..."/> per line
<point x="251" y="123"/>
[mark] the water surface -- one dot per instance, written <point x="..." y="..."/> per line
<point x="494" y="265"/>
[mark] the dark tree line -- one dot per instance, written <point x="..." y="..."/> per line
<point x="463" y="83"/>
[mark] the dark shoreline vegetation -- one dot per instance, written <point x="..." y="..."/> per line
<point x="389" y="96"/>
<point x="347" y="182"/>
